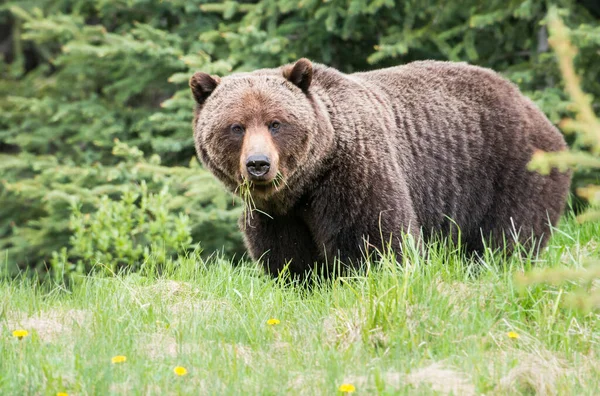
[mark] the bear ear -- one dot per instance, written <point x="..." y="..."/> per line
<point x="203" y="85"/>
<point x="300" y="74"/>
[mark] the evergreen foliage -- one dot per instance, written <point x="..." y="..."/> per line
<point x="77" y="74"/>
<point x="111" y="214"/>
<point x="586" y="126"/>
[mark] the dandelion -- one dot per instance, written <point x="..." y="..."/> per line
<point x="180" y="371"/>
<point x="20" y="334"/>
<point x="273" y="322"/>
<point x="346" y="388"/>
<point x="118" y="359"/>
<point x="62" y="394"/>
<point x="512" y="334"/>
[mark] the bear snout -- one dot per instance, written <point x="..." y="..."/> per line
<point x="258" y="165"/>
<point x="259" y="159"/>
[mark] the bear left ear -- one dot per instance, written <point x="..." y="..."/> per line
<point x="300" y="74"/>
<point x="203" y="85"/>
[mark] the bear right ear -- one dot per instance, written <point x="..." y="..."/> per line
<point x="300" y="74"/>
<point x="203" y="85"/>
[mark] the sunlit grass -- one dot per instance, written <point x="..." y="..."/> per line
<point x="437" y="323"/>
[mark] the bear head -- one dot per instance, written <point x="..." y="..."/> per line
<point x="260" y="127"/>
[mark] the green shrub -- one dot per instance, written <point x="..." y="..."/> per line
<point x="585" y="125"/>
<point x="126" y="233"/>
<point x="120" y="211"/>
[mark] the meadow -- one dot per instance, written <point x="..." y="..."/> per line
<point x="98" y="175"/>
<point x="430" y="324"/>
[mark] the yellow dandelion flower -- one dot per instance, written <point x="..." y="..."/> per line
<point x="512" y="334"/>
<point x="118" y="359"/>
<point x="180" y="371"/>
<point x="347" y="388"/>
<point x="20" y="333"/>
<point x="273" y="322"/>
<point x="62" y="394"/>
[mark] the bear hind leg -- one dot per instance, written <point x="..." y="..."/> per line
<point x="522" y="215"/>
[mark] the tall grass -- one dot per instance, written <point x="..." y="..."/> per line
<point x="436" y="323"/>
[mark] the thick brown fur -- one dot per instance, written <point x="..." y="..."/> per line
<point x="420" y="149"/>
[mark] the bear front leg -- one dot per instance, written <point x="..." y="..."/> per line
<point x="363" y="223"/>
<point x="280" y="240"/>
<point x="353" y="245"/>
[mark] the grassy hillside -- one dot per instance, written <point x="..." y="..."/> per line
<point x="437" y="325"/>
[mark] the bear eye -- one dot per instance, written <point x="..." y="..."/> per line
<point x="237" y="128"/>
<point x="275" y="126"/>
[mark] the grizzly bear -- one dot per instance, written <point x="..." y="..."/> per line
<point x="339" y="165"/>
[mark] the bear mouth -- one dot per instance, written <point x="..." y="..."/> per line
<point x="260" y="189"/>
<point x="263" y="188"/>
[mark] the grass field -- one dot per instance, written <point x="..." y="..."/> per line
<point x="436" y="325"/>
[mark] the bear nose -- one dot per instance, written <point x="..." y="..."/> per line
<point x="258" y="165"/>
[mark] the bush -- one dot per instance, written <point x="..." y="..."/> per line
<point x="127" y="232"/>
<point x="121" y="212"/>
<point x="585" y="125"/>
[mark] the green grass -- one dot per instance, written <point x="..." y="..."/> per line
<point x="435" y="325"/>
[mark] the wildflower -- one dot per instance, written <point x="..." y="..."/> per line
<point x="118" y="359"/>
<point x="273" y="322"/>
<point x="62" y="394"/>
<point x="512" y="334"/>
<point x="20" y="334"/>
<point x="347" y="388"/>
<point x="180" y="371"/>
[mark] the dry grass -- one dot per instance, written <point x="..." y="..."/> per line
<point x="441" y="379"/>
<point x="535" y="372"/>
<point x="345" y="327"/>
<point x="50" y="325"/>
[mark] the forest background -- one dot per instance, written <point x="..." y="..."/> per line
<point x="97" y="163"/>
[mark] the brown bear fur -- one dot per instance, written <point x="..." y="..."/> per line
<point x="366" y="157"/>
